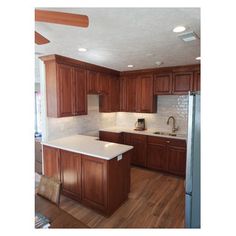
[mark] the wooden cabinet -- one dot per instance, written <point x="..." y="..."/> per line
<point x="131" y="94"/>
<point x="157" y="154"/>
<point x="197" y="81"/>
<point x="176" y="160"/>
<point x="94" y="182"/>
<point x="65" y="83"/>
<point x="80" y="95"/>
<point x="100" y="184"/>
<point x="146" y="100"/>
<point x="111" y="137"/>
<point x="139" y="142"/>
<point x="167" y="155"/>
<point x="110" y="101"/>
<point x="104" y="83"/>
<point x="51" y="162"/>
<point x="163" y="83"/>
<point x="71" y="174"/>
<point x="137" y="94"/>
<point x="65" y="90"/>
<point x="182" y="82"/>
<point x="123" y="94"/>
<point x="93" y="86"/>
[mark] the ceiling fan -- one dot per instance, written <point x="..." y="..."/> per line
<point x="58" y="18"/>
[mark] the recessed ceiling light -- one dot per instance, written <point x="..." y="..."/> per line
<point x="198" y="58"/>
<point x="130" y="66"/>
<point x="82" y="49"/>
<point x="179" y="29"/>
<point x="158" y="63"/>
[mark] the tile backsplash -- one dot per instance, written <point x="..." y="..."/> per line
<point x="90" y="124"/>
<point x="167" y="105"/>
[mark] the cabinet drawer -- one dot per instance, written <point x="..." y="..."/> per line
<point x="169" y="141"/>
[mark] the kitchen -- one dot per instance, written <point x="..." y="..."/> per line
<point x="140" y="113"/>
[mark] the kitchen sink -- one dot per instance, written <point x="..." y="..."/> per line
<point x="165" y="133"/>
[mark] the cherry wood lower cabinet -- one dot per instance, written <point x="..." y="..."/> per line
<point x="97" y="183"/>
<point x="139" y="142"/>
<point x="167" y="155"/>
<point x="51" y="162"/>
<point x="111" y="137"/>
<point x="70" y="174"/>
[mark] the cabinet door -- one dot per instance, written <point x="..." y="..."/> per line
<point x="157" y="157"/>
<point x="123" y="98"/>
<point x="131" y="93"/>
<point x="145" y="97"/>
<point x="104" y="82"/>
<point x="66" y="91"/>
<point x="94" y="182"/>
<point x="80" y="107"/>
<point x="163" y="83"/>
<point x="197" y="81"/>
<point x="182" y="82"/>
<point x="115" y="94"/>
<point x="71" y="174"/>
<point x="111" y="137"/>
<point x="51" y="162"/>
<point x="176" y="160"/>
<point x="140" y="149"/>
<point x="92" y="82"/>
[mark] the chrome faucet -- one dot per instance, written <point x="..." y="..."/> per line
<point x="173" y="127"/>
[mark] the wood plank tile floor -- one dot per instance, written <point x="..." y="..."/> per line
<point x="156" y="200"/>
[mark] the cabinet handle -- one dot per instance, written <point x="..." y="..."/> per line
<point x="167" y="141"/>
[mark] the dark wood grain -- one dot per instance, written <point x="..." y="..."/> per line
<point x="51" y="162"/>
<point x="66" y="89"/>
<point x="197" y="81"/>
<point x="71" y="174"/>
<point x="111" y="137"/>
<point x="80" y="85"/>
<point x="163" y="83"/>
<point x="182" y="82"/>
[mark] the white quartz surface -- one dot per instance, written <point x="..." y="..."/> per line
<point x="90" y="146"/>
<point x="149" y="132"/>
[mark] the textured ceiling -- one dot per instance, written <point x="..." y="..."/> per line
<point x="117" y="37"/>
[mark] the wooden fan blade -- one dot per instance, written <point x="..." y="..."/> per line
<point x="39" y="39"/>
<point x="61" y="18"/>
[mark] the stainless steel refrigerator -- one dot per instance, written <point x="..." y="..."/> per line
<point x="192" y="182"/>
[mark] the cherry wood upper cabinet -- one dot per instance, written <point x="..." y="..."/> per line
<point x="93" y="86"/>
<point x="163" y="83"/>
<point x="146" y="100"/>
<point x="71" y="174"/>
<point x="131" y="94"/>
<point x="109" y="101"/>
<point x="66" y="93"/>
<point x="80" y="80"/>
<point x="197" y="81"/>
<point x="51" y="162"/>
<point x="182" y="82"/>
<point x="104" y="82"/>
<point x="123" y="94"/>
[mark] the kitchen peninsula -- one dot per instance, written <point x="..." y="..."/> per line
<point x="93" y="172"/>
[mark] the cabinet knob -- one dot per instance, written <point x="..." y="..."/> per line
<point x="167" y="141"/>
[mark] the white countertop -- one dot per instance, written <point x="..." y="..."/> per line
<point x="149" y="132"/>
<point x="89" y="145"/>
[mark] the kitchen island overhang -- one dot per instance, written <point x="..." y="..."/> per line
<point x="94" y="173"/>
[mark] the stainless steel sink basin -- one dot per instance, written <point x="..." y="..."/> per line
<point x="165" y="133"/>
